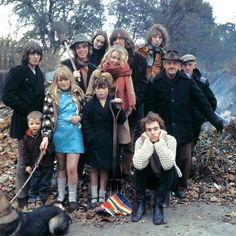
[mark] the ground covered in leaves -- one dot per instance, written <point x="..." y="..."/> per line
<point x="213" y="176"/>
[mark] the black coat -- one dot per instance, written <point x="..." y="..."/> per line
<point x="138" y="64"/>
<point x="203" y="84"/>
<point x="31" y="151"/>
<point x="23" y="92"/>
<point x="97" y="123"/>
<point x="91" y="68"/>
<point x="171" y="99"/>
<point x="96" y="56"/>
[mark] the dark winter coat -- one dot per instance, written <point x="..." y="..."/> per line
<point x="97" y="124"/>
<point x="23" y="92"/>
<point x="203" y="84"/>
<point x="31" y="150"/>
<point x="138" y="64"/>
<point x="91" y="68"/>
<point x="96" y="56"/>
<point x="171" y="99"/>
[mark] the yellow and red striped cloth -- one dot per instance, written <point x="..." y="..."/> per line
<point x="116" y="204"/>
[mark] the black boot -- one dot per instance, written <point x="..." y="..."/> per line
<point x="158" y="217"/>
<point x="138" y="211"/>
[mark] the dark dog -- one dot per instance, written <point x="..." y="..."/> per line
<point x="46" y="220"/>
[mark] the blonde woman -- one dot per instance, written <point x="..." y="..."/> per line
<point x="115" y="62"/>
<point x="61" y="121"/>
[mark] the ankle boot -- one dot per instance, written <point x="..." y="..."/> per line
<point x="138" y="211"/>
<point x="158" y="217"/>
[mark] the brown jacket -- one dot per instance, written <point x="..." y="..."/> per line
<point x="153" y="70"/>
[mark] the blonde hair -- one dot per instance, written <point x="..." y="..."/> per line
<point x="123" y="54"/>
<point x="63" y="72"/>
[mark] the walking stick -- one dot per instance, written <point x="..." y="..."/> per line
<point x="39" y="158"/>
<point x="209" y="156"/>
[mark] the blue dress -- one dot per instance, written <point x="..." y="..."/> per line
<point x="67" y="137"/>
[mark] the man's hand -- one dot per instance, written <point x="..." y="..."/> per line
<point x="28" y="169"/>
<point x="76" y="74"/>
<point x="163" y="134"/>
<point x="144" y="136"/>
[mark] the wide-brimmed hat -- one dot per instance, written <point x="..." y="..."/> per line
<point x="80" y="38"/>
<point x="171" y="55"/>
<point x="187" y="57"/>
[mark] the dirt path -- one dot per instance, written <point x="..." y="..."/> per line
<point x="197" y="219"/>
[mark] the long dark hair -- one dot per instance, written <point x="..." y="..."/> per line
<point x="104" y="34"/>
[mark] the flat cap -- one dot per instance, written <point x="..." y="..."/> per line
<point x="188" y="57"/>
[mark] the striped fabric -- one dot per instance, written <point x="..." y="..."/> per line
<point x="116" y="204"/>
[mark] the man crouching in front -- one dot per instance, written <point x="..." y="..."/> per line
<point x="155" y="166"/>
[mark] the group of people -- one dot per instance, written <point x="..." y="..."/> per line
<point x="157" y="99"/>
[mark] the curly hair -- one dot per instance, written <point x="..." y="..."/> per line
<point x="102" y="80"/>
<point x="152" y="117"/>
<point x="158" y="28"/>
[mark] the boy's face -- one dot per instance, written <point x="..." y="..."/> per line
<point x="101" y="93"/>
<point x="34" y="125"/>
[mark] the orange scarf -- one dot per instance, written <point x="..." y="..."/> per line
<point x="121" y="74"/>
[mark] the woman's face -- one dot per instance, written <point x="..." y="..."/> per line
<point x="63" y="84"/>
<point x="101" y="93"/>
<point x="82" y="51"/>
<point x="98" y="42"/>
<point x="115" y="58"/>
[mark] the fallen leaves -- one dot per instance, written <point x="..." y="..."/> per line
<point x="216" y="181"/>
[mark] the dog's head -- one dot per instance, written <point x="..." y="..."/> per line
<point x="7" y="213"/>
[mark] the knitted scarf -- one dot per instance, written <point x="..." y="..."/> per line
<point x="151" y="54"/>
<point x="121" y="74"/>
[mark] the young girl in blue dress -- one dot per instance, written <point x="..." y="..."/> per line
<point x="61" y="121"/>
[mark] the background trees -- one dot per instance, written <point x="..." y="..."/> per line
<point x="190" y="24"/>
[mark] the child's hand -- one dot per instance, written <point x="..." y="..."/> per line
<point x="28" y="169"/>
<point x="144" y="136"/>
<point x="75" y="119"/>
<point x="44" y="144"/>
<point x="118" y="102"/>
